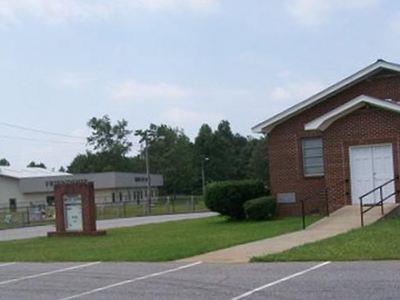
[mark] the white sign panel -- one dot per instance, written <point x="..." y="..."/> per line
<point x="286" y="198"/>
<point x="73" y="212"/>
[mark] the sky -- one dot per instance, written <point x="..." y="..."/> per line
<point x="177" y="62"/>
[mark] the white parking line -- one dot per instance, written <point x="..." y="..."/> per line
<point x="48" y="273"/>
<point x="131" y="281"/>
<point x="7" y="264"/>
<point x="249" y="293"/>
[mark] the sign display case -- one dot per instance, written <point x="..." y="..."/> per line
<point x="75" y="210"/>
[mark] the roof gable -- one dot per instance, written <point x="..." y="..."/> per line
<point x="269" y="124"/>
<point x="324" y="121"/>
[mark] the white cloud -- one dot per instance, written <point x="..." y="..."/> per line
<point x="313" y="12"/>
<point x="187" y="118"/>
<point x="284" y="74"/>
<point x="59" y="11"/>
<point x="284" y="95"/>
<point x="83" y="132"/>
<point x="52" y="155"/>
<point x="279" y="97"/>
<point x="15" y="11"/>
<point x="394" y="22"/>
<point x="255" y="58"/>
<point x="205" y="6"/>
<point x="132" y="90"/>
<point x="20" y="152"/>
<point x="72" y="80"/>
<point x="279" y="93"/>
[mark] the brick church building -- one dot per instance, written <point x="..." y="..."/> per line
<point x="343" y="141"/>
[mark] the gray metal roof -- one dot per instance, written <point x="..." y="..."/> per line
<point x="28" y="172"/>
<point x="107" y="180"/>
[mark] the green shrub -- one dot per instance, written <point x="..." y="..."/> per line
<point x="263" y="208"/>
<point x="228" y="197"/>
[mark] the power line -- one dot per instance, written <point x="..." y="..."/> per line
<point x="21" y="138"/>
<point x="41" y="131"/>
<point x="38" y="140"/>
<point x="134" y="145"/>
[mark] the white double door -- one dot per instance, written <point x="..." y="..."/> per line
<point x="370" y="167"/>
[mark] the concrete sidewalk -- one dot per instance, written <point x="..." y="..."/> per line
<point x="38" y="231"/>
<point x="342" y="220"/>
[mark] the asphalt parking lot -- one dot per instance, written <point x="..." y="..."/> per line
<point x="358" y="280"/>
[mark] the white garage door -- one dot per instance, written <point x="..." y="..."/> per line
<point x="370" y="167"/>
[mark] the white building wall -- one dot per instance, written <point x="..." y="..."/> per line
<point x="9" y="189"/>
<point x="35" y="190"/>
<point x="35" y="199"/>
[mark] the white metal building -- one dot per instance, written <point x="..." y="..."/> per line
<point x="34" y="186"/>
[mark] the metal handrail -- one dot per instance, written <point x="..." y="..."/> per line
<point x="380" y="202"/>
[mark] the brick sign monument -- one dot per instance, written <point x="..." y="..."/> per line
<point x="75" y="210"/>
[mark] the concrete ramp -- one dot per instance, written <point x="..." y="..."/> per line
<point x="342" y="220"/>
<point x="348" y="217"/>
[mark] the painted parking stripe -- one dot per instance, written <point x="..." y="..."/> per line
<point x="249" y="293"/>
<point x="107" y="287"/>
<point x="48" y="273"/>
<point x="7" y="264"/>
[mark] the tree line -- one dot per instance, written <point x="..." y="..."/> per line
<point x="223" y="154"/>
<point x="5" y="163"/>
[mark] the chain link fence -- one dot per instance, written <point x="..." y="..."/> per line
<point x="26" y="216"/>
<point x="42" y="214"/>
<point x="159" y="206"/>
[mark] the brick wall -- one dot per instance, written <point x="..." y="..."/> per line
<point x="364" y="126"/>
<point x="86" y="191"/>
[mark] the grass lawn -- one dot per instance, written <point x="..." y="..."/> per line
<point x="153" y="242"/>
<point x="380" y="241"/>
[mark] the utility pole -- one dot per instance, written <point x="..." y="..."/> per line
<point x="148" y="136"/>
<point x="148" y="200"/>
<point x="203" y="173"/>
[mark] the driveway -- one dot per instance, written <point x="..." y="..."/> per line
<point x="30" y="232"/>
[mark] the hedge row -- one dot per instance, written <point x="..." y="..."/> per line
<point x="263" y="208"/>
<point x="228" y="198"/>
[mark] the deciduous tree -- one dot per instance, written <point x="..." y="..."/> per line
<point x="4" y="162"/>
<point x="33" y="164"/>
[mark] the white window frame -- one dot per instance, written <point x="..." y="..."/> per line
<point x="319" y="174"/>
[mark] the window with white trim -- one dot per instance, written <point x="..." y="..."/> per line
<point x="313" y="160"/>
